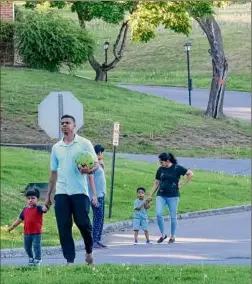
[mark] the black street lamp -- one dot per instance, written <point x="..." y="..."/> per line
<point x="187" y="48"/>
<point x="106" y="47"/>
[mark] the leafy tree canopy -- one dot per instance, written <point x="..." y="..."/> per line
<point x="144" y="17"/>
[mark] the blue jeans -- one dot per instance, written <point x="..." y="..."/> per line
<point x="172" y="203"/>
<point x="33" y="241"/>
<point x="98" y="219"/>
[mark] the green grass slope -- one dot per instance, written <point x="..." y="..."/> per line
<point x="148" y="124"/>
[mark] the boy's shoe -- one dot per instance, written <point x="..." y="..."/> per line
<point x="171" y="241"/>
<point x="161" y="239"/>
<point x="31" y="262"/>
<point x="135" y="242"/>
<point x="89" y="258"/>
<point x="148" y="242"/>
<point x="101" y="245"/>
<point x="37" y="262"/>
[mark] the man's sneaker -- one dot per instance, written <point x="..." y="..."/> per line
<point x="37" y="262"/>
<point x="148" y="242"/>
<point x="171" y="241"/>
<point x="96" y="246"/>
<point x="70" y="263"/>
<point x="31" y="262"/>
<point x="101" y="245"/>
<point x="89" y="258"/>
<point x="161" y="239"/>
<point x="135" y="242"/>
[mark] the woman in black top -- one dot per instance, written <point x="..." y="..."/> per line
<point x="167" y="186"/>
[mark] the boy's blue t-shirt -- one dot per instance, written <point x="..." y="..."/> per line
<point x="100" y="183"/>
<point x="140" y="214"/>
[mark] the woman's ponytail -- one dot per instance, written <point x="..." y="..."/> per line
<point x="172" y="159"/>
<point x="168" y="157"/>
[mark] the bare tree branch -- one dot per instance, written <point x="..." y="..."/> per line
<point x="118" y="56"/>
<point x="93" y="62"/>
<point x="118" y="38"/>
<point x="124" y="40"/>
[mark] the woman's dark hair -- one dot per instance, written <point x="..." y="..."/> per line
<point x="141" y="188"/>
<point x="167" y="157"/>
<point x="98" y="148"/>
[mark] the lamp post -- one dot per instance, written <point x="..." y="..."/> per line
<point x="106" y="47"/>
<point x="187" y="48"/>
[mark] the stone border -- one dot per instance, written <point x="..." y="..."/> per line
<point x="124" y="225"/>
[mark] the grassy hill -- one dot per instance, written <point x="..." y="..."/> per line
<point x="206" y="191"/>
<point x="148" y="124"/>
<point x="163" y="60"/>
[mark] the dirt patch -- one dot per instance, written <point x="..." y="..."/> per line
<point x="18" y="133"/>
<point x="182" y="138"/>
<point x="188" y="137"/>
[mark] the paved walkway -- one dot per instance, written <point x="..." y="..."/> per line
<point x="228" y="166"/>
<point x="236" y="104"/>
<point x="221" y="240"/>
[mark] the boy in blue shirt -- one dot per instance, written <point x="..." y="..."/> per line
<point x="98" y="180"/>
<point x="140" y="215"/>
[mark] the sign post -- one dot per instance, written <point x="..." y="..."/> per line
<point x="115" y="144"/>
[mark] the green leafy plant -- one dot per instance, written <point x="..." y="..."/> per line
<point x="6" y="38"/>
<point x="48" y="41"/>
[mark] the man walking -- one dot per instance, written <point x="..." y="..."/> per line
<point x="71" y="196"/>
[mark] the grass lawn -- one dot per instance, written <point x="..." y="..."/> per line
<point x="110" y="274"/>
<point x="21" y="166"/>
<point x="148" y="124"/>
<point x="162" y="61"/>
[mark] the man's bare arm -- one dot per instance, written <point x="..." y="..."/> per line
<point x="94" y="168"/>
<point x="92" y="185"/>
<point x="51" y="187"/>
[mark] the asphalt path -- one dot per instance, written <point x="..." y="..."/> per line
<point x="236" y="104"/>
<point x="227" y="166"/>
<point x="219" y="240"/>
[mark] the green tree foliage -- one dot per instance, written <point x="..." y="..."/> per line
<point x="47" y="41"/>
<point x="174" y="15"/>
<point x="111" y="12"/>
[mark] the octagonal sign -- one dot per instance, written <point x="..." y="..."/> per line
<point x="53" y="107"/>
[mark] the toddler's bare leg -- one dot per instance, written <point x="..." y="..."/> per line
<point x="147" y="236"/>
<point x="136" y="235"/>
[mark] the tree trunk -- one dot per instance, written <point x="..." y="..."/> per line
<point x="98" y="68"/>
<point x="100" y="74"/>
<point x="102" y="69"/>
<point x="220" y="66"/>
